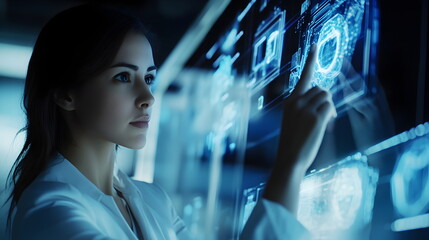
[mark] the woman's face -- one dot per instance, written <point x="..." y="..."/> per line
<point x="108" y="104"/>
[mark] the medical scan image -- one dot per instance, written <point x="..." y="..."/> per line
<point x="335" y="27"/>
<point x="337" y="202"/>
<point x="410" y="180"/>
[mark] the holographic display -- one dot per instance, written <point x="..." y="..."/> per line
<point x="250" y="198"/>
<point x="267" y="50"/>
<point x="331" y="42"/>
<point x="410" y="180"/>
<point x="335" y="27"/>
<point x="404" y="202"/>
<point x="337" y="202"/>
<point x="266" y="43"/>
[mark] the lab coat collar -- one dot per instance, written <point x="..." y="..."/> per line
<point x="143" y="213"/>
<point x="146" y="221"/>
<point x="71" y="175"/>
<point x="68" y="173"/>
<point x="76" y="178"/>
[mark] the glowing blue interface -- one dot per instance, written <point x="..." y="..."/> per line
<point x="410" y="180"/>
<point x="338" y="202"/>
<point x="335" y="202"/>
<point x="267" y="50"/>
<point x="343" y="38"/>
<point x="267" y="42"/>
<point x="262" y="45"/>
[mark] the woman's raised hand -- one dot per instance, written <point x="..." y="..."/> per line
<point x="306" y="114"/>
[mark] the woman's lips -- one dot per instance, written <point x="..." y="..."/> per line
<point x="140" y="124"/>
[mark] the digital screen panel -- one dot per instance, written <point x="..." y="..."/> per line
<point x="402" y="204"/>
<point x="335" y="202"/>
<point x="344" y="34"/>
<point x="380" y="193"/>
<point x="265" y="43"/>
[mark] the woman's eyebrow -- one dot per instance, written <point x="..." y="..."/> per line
<point x="134" y="67"/>
<point x="151" y="68"/>
<point x="123" y="64"/>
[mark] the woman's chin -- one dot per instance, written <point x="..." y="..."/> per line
<point x="136" y="144"/>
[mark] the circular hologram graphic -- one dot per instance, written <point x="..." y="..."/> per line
<point x="332" y="43"/>
<point x="410" y="181"/>
<point x="347" y="196"/>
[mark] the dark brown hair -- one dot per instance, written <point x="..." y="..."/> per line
<point x="72" y="47"/>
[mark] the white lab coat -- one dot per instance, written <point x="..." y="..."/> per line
<point x="62" y="203"/>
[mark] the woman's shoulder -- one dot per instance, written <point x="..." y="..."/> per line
<point x="46" y="192"/>
<point x="58" y="182"/>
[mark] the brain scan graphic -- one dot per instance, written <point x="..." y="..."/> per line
<point x="338" y="200"/>
<point x="335" y="34"/>
<point x="410" y="180"/>
<point x="335" y="202"/>
<point x="347" y="196"/>
<point x="341" y="32"/>
<point x="332" y="42"/>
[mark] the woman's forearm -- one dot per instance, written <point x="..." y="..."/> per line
<point x="283" y="185"/>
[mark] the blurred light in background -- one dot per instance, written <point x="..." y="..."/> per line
<point x="14" y="60"/>
<point x="12" y="119"/>
<point x="410" y="223"/>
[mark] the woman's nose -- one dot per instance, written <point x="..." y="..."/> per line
<point x="145" y="99"/>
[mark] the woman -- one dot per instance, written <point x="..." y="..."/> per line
<point x="87" y="91"/>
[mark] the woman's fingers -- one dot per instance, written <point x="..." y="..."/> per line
<point x="304" y="82"/>
<point x="311" y="93"/>
<point x="320" y="98"/>
<point x="320" y="101"/>
<point x="326" y="109"/>
<point x="304" y="100"/>
<point x="314" y="98"/>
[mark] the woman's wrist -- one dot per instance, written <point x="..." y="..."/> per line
<point x="289" y="161"/>
<point x="283" y="185"/>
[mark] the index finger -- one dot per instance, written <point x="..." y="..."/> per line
<point x="307" y="73"/>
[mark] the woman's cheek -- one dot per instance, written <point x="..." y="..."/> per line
<point x="115" y="110"/>
<point x="105" y="111"/>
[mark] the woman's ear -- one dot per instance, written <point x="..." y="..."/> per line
<point x="65" y="100"/>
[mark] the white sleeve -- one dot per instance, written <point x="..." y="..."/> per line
<point x="270" y="220"/>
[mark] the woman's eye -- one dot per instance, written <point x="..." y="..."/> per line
<point x="122" y="77"/>
<point x="149" y="79"/>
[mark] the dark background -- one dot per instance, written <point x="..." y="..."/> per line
<point x="167" y="20"/>
<point x="401" y="57"/>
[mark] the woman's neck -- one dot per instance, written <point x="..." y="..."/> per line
<point x="95" y="161"/>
